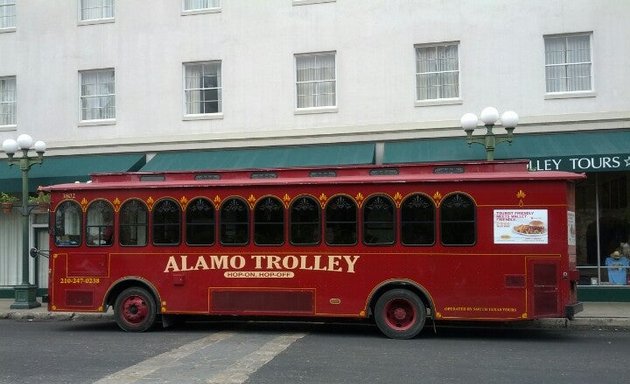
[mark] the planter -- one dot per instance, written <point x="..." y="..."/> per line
<point x="7" y="207"/>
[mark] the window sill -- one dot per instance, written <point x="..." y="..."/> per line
<point x="307" y="2"/>
<point x="570" y="95"/>
<point x="96" y="123"/>
<point x="201" y="11"/>
<point x="96" y="21"/>
<point x="309" y="111"/>
<point x="203" y="116"/>
<point x="8" y="30"/>
<point x="434" y="102"/>
<point x="8" y="128"/>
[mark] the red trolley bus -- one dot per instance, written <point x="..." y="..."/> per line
<point x="395" y="243"/>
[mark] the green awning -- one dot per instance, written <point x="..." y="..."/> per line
<point x="64" y="169"/>
<point x="269" y="157"/>
<point x="589" y="151"/>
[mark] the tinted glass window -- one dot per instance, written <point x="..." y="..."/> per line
<point x="457" y="220"/>
<point x="234" y="222"/>
<point x="269" y="222"/>
<point x="200" y="222"/>
<point x="378" y="221"/>
<point x="305" y="221"/>
<point x="166" y="222"/>
<point x="417" y="219"/>
<point x="341" y="221"/>
<point x="133" y="223"/>
<point x="100" y="224"/>
<point x="68" y="222"/>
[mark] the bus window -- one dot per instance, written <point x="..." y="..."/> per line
<point x="457" y="219"/>
<point x="417" y="220"/>
<point x="166" y="222"/>
<point x="234" y="222"/>
<point x="133" y="223"/>
<point x="269" y="222"/>
<point x="305" y="222"/>
<point x="200" y="222"/>
<point x="378" y="221"/>
<point x="341" y="221"/>
<point x="68" y="224"/>
<point x="100" y="223"/>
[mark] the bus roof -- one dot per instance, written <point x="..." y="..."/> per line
<point x="407" y="172"/>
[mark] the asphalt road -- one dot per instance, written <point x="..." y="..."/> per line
<point x="278" y="353"/>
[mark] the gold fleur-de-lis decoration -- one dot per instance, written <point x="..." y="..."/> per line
<point x="398" y="199"/>
<point x="520" y="194"/>
<point x="286" y="198"/>
<point x="116" y="203"/>
<point x="150" y="203"/>
<point x="251" y="200"/>
<point x="217" y="201"/>
<point x="323" y="199"/>
<point x="359" y="198"/>
<point x="437" y="196"/>
<point x="184" y="202"/>
<point x="84" y="204"/>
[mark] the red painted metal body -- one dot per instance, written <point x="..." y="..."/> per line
<point x="497" y="278"/>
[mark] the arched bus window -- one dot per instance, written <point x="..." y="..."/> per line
<point x="133" y="223"/>
<point x="68" y="223"/>
<point x="234" y="222"/>
<point x="166" y="222"/>
<point x="378" y="221"/>
<point x="200" y="222"/>
<point x="341" y="221"/>
<point x="457" y="220"/>
<point x="100" y="224"/>
<point x="417" y="220"/>
<point x="269" y="222"/>
<point x="305" y="221"/>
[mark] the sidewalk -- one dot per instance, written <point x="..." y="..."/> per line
<point x="596" y="314"/>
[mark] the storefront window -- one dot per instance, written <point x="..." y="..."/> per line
<point x="603" y="223"/>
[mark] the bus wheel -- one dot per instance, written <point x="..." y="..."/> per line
<point x="135" y="310"/>
<point x="400" y="314"/>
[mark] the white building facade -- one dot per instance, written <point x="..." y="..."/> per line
<point x="115" y="85"/>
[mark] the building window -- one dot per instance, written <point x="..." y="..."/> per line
<point x="98" y="95"/>
<point x="316" y="80"/>
<point x="437" y="72"/>
<point x="96" y="10"/>
<point x="7" y="101"/>
<point x="202" y="88"/>
<point x="202" y="5"/>
<point x="7" y="14"/>
<point x="568" y="63"/>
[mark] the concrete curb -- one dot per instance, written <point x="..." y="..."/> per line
<point x="60" y="316"/>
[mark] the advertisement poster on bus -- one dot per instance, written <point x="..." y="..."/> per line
<point x="521" y="226"/>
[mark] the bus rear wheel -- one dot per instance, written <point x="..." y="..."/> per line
<point x="135" y="310"/>
<point x="400" y="314"/>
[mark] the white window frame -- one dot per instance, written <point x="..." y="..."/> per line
<point x="100" y="95"/>
<point x="195" y="10"/>
<point x="440" y="99"/>
<point x="218" y="88"/>
<point x="8" y="16"/>
<point x="316" y="108"/>
<point x="567" y="64"/>
<point x="82" y="4"/>
<point x="8" y="102"/>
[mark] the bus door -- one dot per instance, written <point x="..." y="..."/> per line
<point x="544" y="287"/>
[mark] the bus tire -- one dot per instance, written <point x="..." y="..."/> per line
<point x="135" y="310"/>
<point x="400" y="314"/>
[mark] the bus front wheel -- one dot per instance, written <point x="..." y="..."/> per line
<point x="400" y="314"/>
<point x="135" y="310"/>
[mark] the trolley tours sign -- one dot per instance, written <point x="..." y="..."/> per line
<point x="598" y="163"/>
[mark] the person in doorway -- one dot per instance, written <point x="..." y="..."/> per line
<point x="617" y="268"/>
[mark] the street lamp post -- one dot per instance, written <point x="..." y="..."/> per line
<point x="25" y="293"/>
<point x="489" y="117"/>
